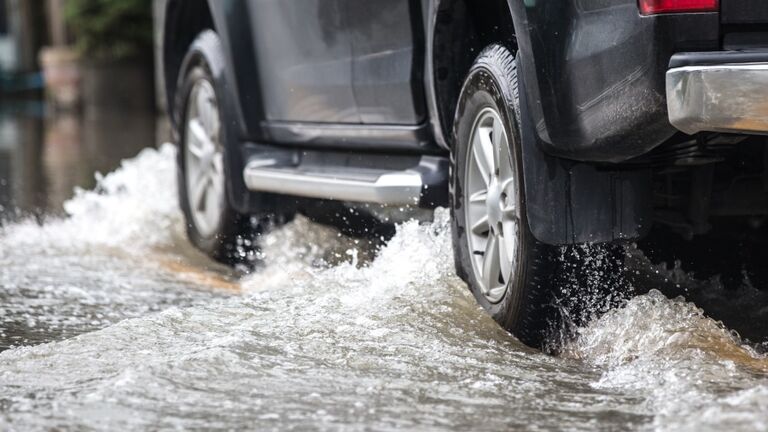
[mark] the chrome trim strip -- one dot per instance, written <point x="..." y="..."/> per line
<point x="372" y="186"/>
<point x="719" y="98"/>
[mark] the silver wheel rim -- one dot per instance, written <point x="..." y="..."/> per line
<point x="204" y="158"/>
<point x="491" y="205"/>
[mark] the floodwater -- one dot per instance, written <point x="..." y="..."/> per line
<point x="110" y="321"/>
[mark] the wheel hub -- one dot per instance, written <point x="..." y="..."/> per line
<point x="204" y="158"/>
<point x="491" y="210"/>
<point x="493" y="205"/>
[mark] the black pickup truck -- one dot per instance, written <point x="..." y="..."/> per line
<point x="540" y="123"/>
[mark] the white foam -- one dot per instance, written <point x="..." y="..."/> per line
<point x="682" y="363"/>
<point x="132" y="208"/>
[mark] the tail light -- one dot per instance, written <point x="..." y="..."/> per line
<point x="652" y="7"/>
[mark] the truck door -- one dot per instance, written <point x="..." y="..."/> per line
<point x="304" y="56"/>
<point x="387" y="42"/>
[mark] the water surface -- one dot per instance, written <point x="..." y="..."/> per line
<point x="111" y="321"/>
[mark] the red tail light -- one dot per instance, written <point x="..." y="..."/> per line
<point x="651" y="7"/>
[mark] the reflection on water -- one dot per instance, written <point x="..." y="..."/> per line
<point x="43" y="157"/>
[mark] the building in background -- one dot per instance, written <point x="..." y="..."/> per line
<point x="46" y="149"/>
<point x="59" y="61"/>
<point x="24" y="29"/>
<point x="8" y="50"/>
<point x="20" y="34"/>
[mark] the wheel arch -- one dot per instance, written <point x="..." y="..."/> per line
<point x="184" y="21"/>
<point x="460" y="30"/>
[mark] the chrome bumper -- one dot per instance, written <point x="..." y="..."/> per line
<point x="721" y="98"/>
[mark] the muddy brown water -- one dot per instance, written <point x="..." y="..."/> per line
<point x="109" y="320"/>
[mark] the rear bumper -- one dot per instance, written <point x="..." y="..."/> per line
<point x="722" y="92"/>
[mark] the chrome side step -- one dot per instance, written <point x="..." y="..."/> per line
<point x="352" y="184"/>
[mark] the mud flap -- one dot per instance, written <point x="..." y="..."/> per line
<point x="571" y="202"/>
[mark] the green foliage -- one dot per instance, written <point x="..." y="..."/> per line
<point x="111" y="29"/>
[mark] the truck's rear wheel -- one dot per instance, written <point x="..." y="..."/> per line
<point x="507" y="269"/>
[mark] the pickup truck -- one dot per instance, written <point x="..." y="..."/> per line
<point x="538" y="123"/>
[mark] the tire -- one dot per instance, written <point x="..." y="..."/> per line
<point x="517" y="292"/>
<point x="206" y="146"/>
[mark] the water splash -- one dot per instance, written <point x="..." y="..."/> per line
<point x="101" y="263"/>
<point x="683" y="363"/>
<point x="131" y="209"/>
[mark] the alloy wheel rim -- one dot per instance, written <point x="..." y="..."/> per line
<point x="491" y="205"/>
<point x="204" y="158"/>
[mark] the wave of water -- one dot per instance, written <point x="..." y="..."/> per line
<point x="329" y="334"/>
<point x="133" y="208"/>
<point x="693" y="373"/>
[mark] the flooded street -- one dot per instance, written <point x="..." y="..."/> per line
<point x="110" y="320"/>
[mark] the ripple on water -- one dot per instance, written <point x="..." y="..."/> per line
<point x="321" y="339"/>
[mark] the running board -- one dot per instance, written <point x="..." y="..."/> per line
<point x="351" y="184"/>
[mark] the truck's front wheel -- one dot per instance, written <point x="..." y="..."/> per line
<point x="507" y="269"/>
<point x="207" y="140"/>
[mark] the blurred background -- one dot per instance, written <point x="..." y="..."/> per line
<point x="77" y="95"/>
